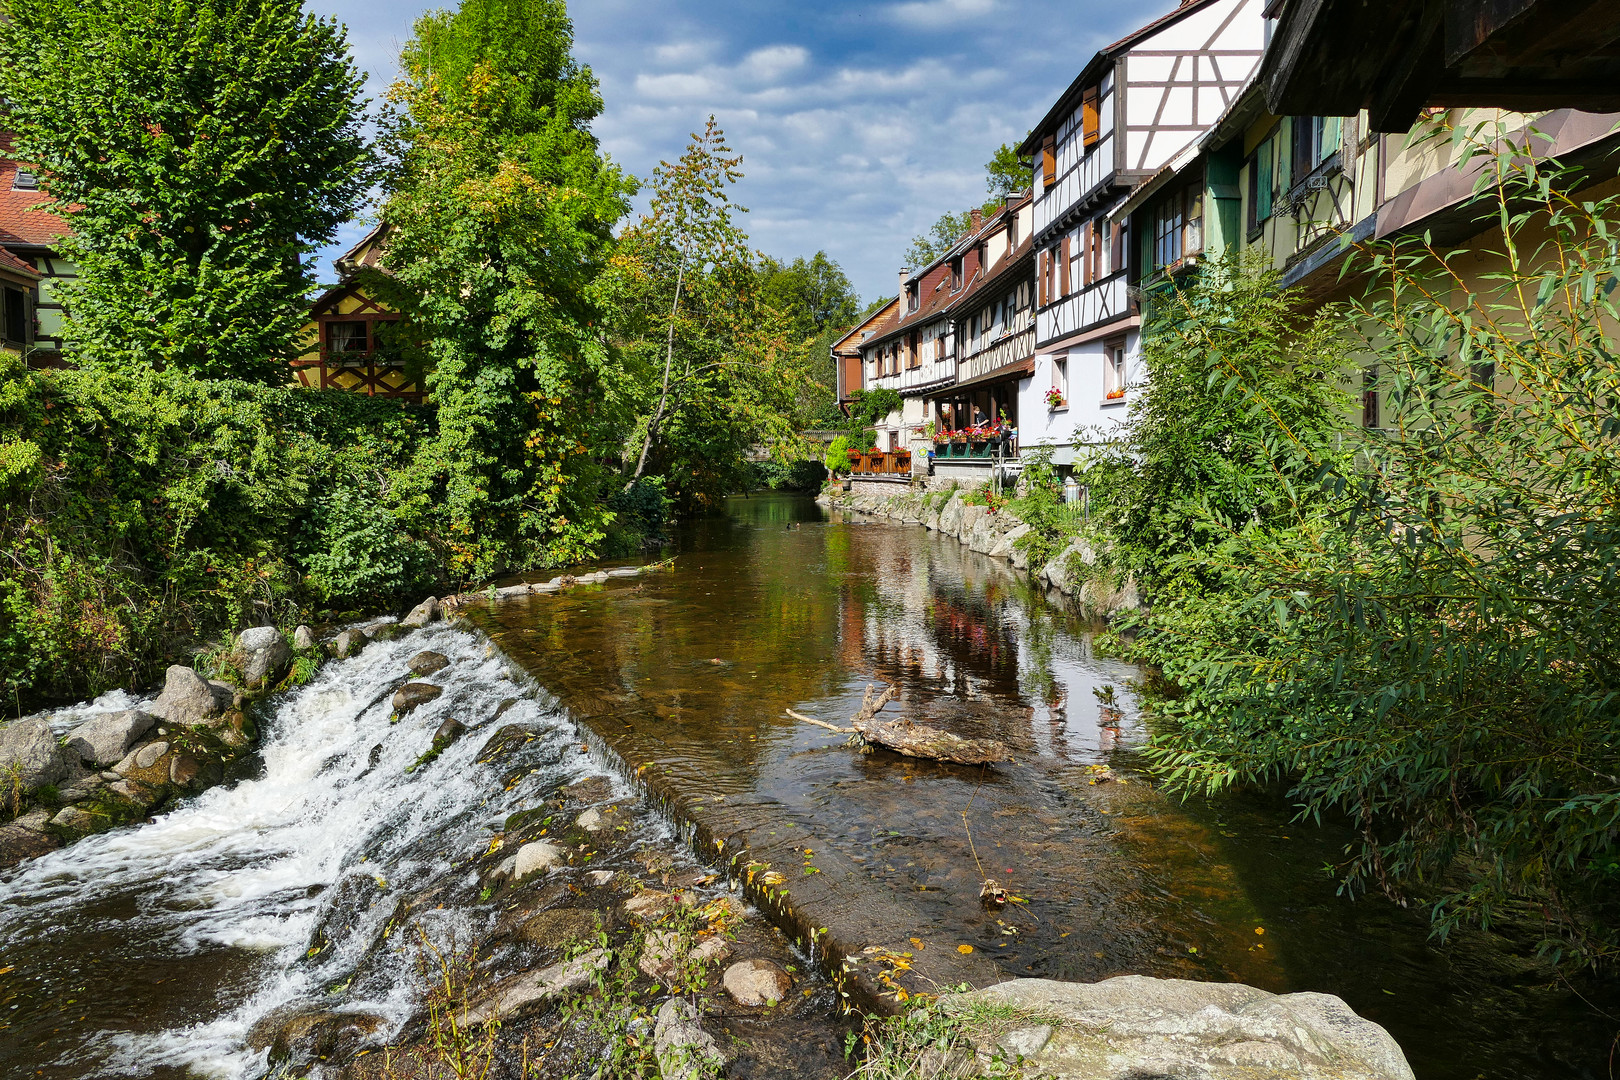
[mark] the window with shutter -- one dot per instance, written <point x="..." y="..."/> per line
<point x="1089" y="118"/>
<point x="1048" y="161"/>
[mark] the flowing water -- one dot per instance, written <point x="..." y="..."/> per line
<point x="154" y="950"/>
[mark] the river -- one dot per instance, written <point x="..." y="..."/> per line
<point x="154" y="949"/>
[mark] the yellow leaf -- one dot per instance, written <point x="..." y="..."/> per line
<point x="964" y="949"/>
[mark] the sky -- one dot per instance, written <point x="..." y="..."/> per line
<point x="860" y="123"/>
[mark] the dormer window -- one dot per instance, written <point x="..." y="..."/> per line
<point x="25" y="181"/>
<point x="956" y="273"/>
<point x="911" y="297"/>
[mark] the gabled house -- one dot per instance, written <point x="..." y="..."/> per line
<point x="846" y="352"/>
<point x="351" y="333"/>
<point x="31" y="233"/>
<point x="19" y="284"/>
<point x="1134" y="106"/>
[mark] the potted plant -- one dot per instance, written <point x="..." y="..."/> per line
<point x="1054" y="399"/>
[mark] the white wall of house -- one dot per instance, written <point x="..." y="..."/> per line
<point x="1088" y="416"/>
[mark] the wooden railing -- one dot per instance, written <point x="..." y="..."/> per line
<point x="880" y="463"/>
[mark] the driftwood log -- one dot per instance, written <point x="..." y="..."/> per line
<point x="911" y="739"/>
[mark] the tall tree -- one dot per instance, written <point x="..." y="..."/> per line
<point x="202" y="151"/>
<point x="720" y="373"/>
<point x="1006" y="173"/>
<point x="814" y="294"/>
<point x="502" y="207"/>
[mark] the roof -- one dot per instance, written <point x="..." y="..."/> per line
<point x="1001" y="272"/>
<point x="21" y="225"/>
<point x="1089" y="74"/>
<point x="367" y="253"/>
<point x="883" y="310"/>
<point x="10" y="262"/>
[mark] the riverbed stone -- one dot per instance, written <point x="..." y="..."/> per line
<point x="599" y="821"/>
<point x="190" y="700"/>
<point x="35" y="819"/>
<point x="448" y="732"/>
<point x="558" y="927"/>
<point x="136" y="792"/>
<point x="28" y="749"/>
<point x="592" y="789"/>
<point x="74" y="820"/>
<point x="646" y="906"/>
<point x="1132" y="1026"/>
<point x="533" y="988"/>
<point x="536" y="858"/>
<point x="756" y="982"/>
<point x="427" y="662"/>
<point x="300" y="1034"/>
<point x="663" y="950"/>
<point x="413" y="694"/>
<point x="18" y="844"/>
<point x="1005" y="546"/>
<point x="422" y="614"/>
<point x="105" y="739"/>
<point x="349" y="643"/>
<point x="304" y="638"/>
<point x="147" y="756"/>
<point x="684" y="1051"/>
<point x="261" y="655"/>
<point x="82" y="789"/>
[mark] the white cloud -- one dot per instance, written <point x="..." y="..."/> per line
<point x="929" y="13"/>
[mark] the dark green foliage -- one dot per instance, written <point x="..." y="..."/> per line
<point x="867" y="407"/>
<point x="205" y="148"/>
<point x="813" y="294"/>
<point x="1006" y="173"/>
<point x="791" y="476"/>
<point x="1427" y="645"/>
<point x="941" y="236"/>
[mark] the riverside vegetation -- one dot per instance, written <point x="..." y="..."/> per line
<point x="1412" y="629"/>
<point x="169" y="488"/>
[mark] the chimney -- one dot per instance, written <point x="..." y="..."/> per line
<point x="978" y="218"/>
<point x="905" y="272"/>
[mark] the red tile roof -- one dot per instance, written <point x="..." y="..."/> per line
<point x="8" y="261"/>
<point x="20" y="224"/>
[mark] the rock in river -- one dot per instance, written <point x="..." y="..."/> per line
<point x="349" y="643"/>
<point x="261" y="655"/>
<point x="756" y="982"/>
<point x="449" y="731"/>
<point x="29" y="748"/>
<point x="413" y="694"/>
<point x="427" y="662"/>
<point x="304" y="639"/>
<point x="530" y="988"/>
<point x="190" y="700"/>
<point x="1133" y="1026"/>
<point x="105" y="739"/>
<point x="558" y="927"/>
<point x="422" y="614"/>
<point x="683" y="1049"/>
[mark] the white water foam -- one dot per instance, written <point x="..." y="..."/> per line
<point x="245" y="865"/>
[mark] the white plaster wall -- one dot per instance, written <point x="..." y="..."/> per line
<point x="1087" y="419"/>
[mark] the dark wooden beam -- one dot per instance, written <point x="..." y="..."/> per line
<point x="1404" y="88"/>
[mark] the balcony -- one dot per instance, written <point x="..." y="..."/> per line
<point x="880" y="463"/>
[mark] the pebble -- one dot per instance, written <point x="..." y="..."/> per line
<point x="756" y="982"/>
<point x="148" y="755"/>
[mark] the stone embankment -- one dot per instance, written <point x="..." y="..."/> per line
<point x="997" y="534"/>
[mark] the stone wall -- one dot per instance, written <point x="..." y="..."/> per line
<point x="994" y="533"/>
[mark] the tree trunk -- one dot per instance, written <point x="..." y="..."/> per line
<point x="669" y="361"/>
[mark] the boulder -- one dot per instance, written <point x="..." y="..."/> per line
<point x="304" y="639"/>
<point x="448" y="732"/>
<point x="684" y="1051"/>
<point x="589" y="790"/>
<point x="599" y="822"/>
<point x="1133" y="1026"/>
<point x="1004" y="547"/>
<point x="663" y="951"/>
<point x="558" y="927"/>
<point x="137" y="793"/>
<point x="18" y="844"/>
<point x="74" y="820"/>
<point x="536" y="858"/>
<point x="146" y="765"/>
<point x="349" y="643"/>
<point x="190" y="700"/>
<point x="295" y="1034"/>
<point x="28" y="750"/>
<point x="509" y="591"/>
<point x="105" y="739"/>
<point x="413" y="694"/>
<point x="261" y="655"/>
<point x="756" y="982"/>
<point x="82" y="789"/>
<point x="646" y="906"/>
<point x="534" y="987"/>
<point x="427" y="662"/>
<point x="422" y="614"/>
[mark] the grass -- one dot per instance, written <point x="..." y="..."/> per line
<point x="934" y="1040"/>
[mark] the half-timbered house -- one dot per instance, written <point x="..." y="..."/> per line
<point x="846" y="352"/>
<point x="32" y="233"/>
<point x="352" y="334"/>
<point x="1135" y="106"/>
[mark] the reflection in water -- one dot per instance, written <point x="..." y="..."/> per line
<point x="776" y="608"/>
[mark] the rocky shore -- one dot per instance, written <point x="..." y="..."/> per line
<point x="995" y="533"/>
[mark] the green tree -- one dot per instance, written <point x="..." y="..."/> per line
<point x="719" y="374"/>
<point x="202" y="150"/>
<point x="940" y="238"/>
<point x="1006" y="173"/>
<point x="501" y="207"/>
<point x="813" y="294"/>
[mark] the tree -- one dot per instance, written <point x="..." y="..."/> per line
<point x="201" y="151"/>
<point x="814" y="294"/>
<point x="721" y="377"/>
<point x="939" y="239"/>
<point x="1006" y="173"/>
<point x="502" y="207"/>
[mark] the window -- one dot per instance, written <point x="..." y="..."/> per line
<point x="1260" y="180"/>
<point x="956" y="273"/>
<point x="1090" y="119"/>
<point x="346" y="341"/>
<point x="911" y="297"/>
<point x="1178" y="226"/>
<point x="1369" y="397"/>
<point x="1048" y="161"/>
<point x="25" y="181"/>
<point x="1315" y="139"/>
<point x="1060" y="377"/>
<point x="1114" y="369"/>
<point x="15" y="313"/>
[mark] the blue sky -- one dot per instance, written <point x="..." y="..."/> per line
<point x="859" y="123"/>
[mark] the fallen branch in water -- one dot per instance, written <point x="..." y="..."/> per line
<point x="910" y="739"/>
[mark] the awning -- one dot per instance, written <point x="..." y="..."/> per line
<point x="1016" y="369"/>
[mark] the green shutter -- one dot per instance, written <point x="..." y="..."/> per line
<point x="1332" y="127"/>
<point x="1262" y="163"/>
